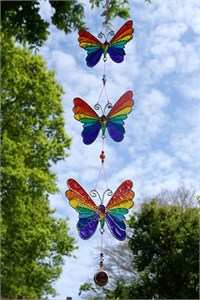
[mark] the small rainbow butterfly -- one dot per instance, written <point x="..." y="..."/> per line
<point x="114" y="121"/>
<point x="113" y="214"/>
<point x="115" y="47"/>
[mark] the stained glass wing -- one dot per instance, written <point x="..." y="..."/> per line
<point x="85" y="206"/>
<point x="93" y="47"/>
<point x="90" y="119"/>
<point x="115" y="227"/>
<point x="87" y="228"/>
<point x="117" y="207"/>
<point x="117" y="115"/>
<point x="119" y="40"/>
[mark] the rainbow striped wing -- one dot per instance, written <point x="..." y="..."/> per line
<point x="117" y="115"/>
<point x="119" y="40"/>
<point x="85" y="206"/>
<point x="117" y="207"/>
<point x="90" y="119"/>
<point x="93" y="47"/>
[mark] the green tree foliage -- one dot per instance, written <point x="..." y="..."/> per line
<point x="161" y="261"/>
<point x="22" y="19"/>
<point x="165" y="241"/>
<point x="33" y="241"/>
<point x="164" y="245"/>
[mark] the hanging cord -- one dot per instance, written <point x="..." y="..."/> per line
<point x="104" y="80"/>
<point x="104" y="85"/>
<point x="105" y="59"/>
<point x="101" y="254"/>
<point x="102" y="157"/>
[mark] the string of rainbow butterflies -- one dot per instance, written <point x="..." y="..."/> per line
<point x="113" y="214"/>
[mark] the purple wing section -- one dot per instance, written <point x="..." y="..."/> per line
<point x="116" y="131"/>
<point x="93" y="57"/>
<point x="90" y="132"/>
<point x="116" y="54"/>
<point x="119" y="233"/>
<point x="87" y="231"/>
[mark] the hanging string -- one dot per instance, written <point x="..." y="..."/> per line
<point x="104" y="70"/>
<point x="100" y="95"/>
<point x="104" y="171"/>
<point x="104" y="85"/>
<point x="106" y="95"/>
<point x="101" y="253"/>
<point x="103" y="89"/>
<point x="102" y="157"/>
<point x="102" y="144"/>
<point x="104" y="79"/>
<point x="95" y="188"/>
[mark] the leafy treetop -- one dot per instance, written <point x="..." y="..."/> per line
<point x="22" y="19"/>
<point x="33" y="240"/>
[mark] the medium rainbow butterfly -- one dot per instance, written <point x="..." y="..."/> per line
<point x="115" y="47"/>
<point x="90" y="215"/>
<point x="113" y="122"/>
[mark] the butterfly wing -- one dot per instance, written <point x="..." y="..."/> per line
<point x="117" y="115"/>
<point x="117" y="207"/>
<point x="119" y="40"/>
<point x="85" y="206"/>
<point x="93" y="47"/>
<point x="91" y="122"/>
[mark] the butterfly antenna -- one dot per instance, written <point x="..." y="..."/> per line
<point x="107" y="192"/>
<point x="94" y="193"/>
<point x="101" y="35"/>
<point x="111" y="33"/>
<point x="98" y="106"/>
<point x="108" y="105"/>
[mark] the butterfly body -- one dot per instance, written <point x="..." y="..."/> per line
<point x="90" y="215"/>
<point x="105" y="47"/>
<point x="113" y="122"/>
<point x="102" y="215"/>
<point x="115" y="47"/>
<point x="103" y="121"/>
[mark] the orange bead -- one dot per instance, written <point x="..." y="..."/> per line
<point x="102" y="156"/>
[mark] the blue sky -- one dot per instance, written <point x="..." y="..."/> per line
<point x="161" y="145"/>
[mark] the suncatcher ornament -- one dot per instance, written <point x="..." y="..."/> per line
<point x="115" y="47"/>
<point x="91" y="213"/>
<point x="113" y="122"/>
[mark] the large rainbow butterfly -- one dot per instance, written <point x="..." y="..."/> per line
<point x="115" y="47"/>
<point x="114" y="121"/>
<point x="90" y="214"/>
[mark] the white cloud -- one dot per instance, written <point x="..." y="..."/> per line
<point x="170" y="30"/>
<point x="149" y="117"/>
